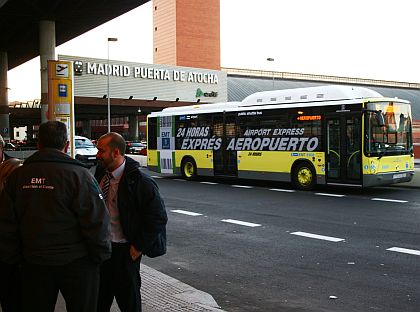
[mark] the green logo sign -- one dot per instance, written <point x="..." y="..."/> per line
<point x="200" y="93"/>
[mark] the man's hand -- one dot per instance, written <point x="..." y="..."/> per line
<point x="134" y="253"/>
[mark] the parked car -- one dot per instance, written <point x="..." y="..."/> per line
<point x="138" y="148"/>
<point x="85" y="150"/>
<point x="9" y="146"/>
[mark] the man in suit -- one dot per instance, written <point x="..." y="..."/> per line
<point x="138" y="223"/>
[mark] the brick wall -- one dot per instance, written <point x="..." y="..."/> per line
<point x="187" y="33"/>
<point x="164" y="32"/>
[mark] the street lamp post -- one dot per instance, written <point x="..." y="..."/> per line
<point x="108" y="95"/>
<point x="270" y="59"/>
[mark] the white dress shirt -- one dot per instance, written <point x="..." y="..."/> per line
<point x="112" y="204"/>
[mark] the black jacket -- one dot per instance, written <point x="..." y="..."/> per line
<point x="56" y="204"/>
<point x="142" y="211"/>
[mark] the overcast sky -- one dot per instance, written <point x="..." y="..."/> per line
<point x="353" y="38"/>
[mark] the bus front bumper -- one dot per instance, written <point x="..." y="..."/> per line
<point x="387" y="178"/>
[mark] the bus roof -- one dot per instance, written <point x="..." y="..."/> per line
<point x="311" y="94"/>
<point x="322" y="95"/>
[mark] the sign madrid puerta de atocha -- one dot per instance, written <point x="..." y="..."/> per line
<point x="147" y="81"/>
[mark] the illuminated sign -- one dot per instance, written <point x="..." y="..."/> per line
<point x="309" y="118"/>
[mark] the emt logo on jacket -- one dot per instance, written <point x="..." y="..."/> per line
<point x="38" y="183"/>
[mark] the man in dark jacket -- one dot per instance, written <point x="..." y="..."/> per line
<point x="53" y="215"/>
<point x="138" y="223"/>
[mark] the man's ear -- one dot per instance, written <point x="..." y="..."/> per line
<point x="116" y="152"/>
<point x="66" y="148"/>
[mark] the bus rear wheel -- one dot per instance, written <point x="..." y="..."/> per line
<point x="304" y="177"/>
<point x="189" y="169"/>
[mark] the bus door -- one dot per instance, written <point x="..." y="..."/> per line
<point x="343" y="148"/>
<point x="224" y="161"/>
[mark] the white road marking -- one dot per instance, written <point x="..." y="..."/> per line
<point x="189" y="213"/>
<point x="241" y="222"/>
<point x="182" y="180"/>
<point x="242" y="186"/>
<point x="156" y="177"/>
<point x="331" y="195"/>
<point x="404" y="250"/>
<point x="390" y="200"/>
<point x="283" y="190"/>
<point x="210" y="183"/>
<point x="316" y="236"/>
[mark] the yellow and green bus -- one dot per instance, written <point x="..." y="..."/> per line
<point x="307" y="136"/>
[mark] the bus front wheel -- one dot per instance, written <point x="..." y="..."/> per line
<point x="189" y="169"/>
<point x="304" y="177"/>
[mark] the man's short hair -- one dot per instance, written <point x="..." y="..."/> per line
<point x="2" y="141"/>
<point x="52" y="134"/>
<point x="116" y="141"/>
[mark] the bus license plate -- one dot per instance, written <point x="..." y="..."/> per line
<point x="399" y="176"/>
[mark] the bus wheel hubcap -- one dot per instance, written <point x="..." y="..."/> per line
<point x="304" y="176"/>
<point x="189" y="169"/>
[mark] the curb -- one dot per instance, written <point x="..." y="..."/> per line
<point x="161" y="292"/>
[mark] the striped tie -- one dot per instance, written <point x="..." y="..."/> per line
<point x="105" y="185"/>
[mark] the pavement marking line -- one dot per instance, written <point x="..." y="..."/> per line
<point x="210" y="183"/>
<point x="405" y="250"/>
<point x="241" y="222"/>
<point x="390" y="200"/>
<point x="242" y="186"/>
<point x="283" y="190"/>
<point x="331" y="195"/>
<point x="182" y="180"/>
<point x="156" y="177"/>
<point x="316" y="236"/>
<point x="188" y="213"/>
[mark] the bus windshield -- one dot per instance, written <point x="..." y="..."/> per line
<point x="390" y="135"/>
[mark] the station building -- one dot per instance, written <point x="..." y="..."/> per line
<point x="135" y="90"/>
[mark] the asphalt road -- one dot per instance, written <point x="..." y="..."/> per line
<point x="332" y="249"/>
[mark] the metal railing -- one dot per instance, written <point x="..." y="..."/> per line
<point x="315" y="77"/>
<point x="28" y="104"/>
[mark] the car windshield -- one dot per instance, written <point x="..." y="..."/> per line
<point x="392" y="136"/>
<point x="83" y="143"/>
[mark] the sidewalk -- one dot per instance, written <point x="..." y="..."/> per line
<point x="160" y="292"/>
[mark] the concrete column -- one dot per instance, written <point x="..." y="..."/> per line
<point x="87" y="129"/>
<point x="133" y="127"/>
<point x="4" y="100"/>
<point x="142" y="127"/>
<point x="29" y="132"/>
<point x="46" y="52"/>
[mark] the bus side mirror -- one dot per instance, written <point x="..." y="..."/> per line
<point x="411" y="151"/>
<point x="380" y="118"/>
